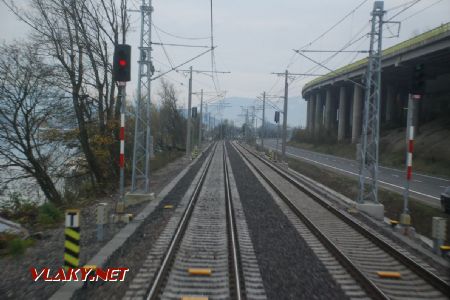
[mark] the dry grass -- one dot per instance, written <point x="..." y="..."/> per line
<point x="431" y="148"/>
<point x="163" y="158"/>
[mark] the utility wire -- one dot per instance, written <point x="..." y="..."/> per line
<point x="182" y="64"/>
<point x="335" y="25"/>
<point x="422" y="10"/>
<point x="293" y="60"/>
<point x="180" y="37"/>
<point x="404" y="9"/>
<point x="322" y="63"/>
<point x="163" y="47"/>
<point x="215" y="77"/>
<point x="399" y="6"/>
<point x="329" y="58"/>
<point x="353" y="59"/>
<point x="180" y="45"/>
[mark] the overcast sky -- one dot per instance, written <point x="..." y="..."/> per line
<point x="256" y="37"/>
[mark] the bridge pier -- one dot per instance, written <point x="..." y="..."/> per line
<point x="328" y="110"/>
<point x="342" y="113"/>
<point x="357" y="113"/>
<point x="390" y="99"/>
<point x="318" y="118"/>
<point x="310" y="114"/>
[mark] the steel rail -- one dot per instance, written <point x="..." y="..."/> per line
<point x="181" y="228"/>
<point x="368" y="285"/>
<point x="232" y="229"/>
<point x="418" y="269"/>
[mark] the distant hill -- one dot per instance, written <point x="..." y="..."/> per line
<point x="296" y="110"/>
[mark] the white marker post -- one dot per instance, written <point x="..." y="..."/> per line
<point x="102" y="219"/>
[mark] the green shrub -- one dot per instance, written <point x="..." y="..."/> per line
<point x="49" y="214"/>
<point x="17" y="246"/>
<point x="13" y="245"/>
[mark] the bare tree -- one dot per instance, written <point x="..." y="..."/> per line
<point x="100" y="24"/>
<point x="28" y="101"/>
<point x="172" y="122"/>
<point x="78" y="35"/>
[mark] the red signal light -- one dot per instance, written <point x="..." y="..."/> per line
<point x="122" y="63"/>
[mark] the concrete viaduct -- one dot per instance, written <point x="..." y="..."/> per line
<point x="335" y="104"/>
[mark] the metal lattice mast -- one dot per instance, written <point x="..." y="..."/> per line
<point x="143" y="151"/>
<point x="368" y="171"/>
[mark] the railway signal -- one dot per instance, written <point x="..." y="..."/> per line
<point x="418" y="80"/>
<point x="122" y="74"/>
<point x="122" y="63"/>
<point x="277" y="117"/>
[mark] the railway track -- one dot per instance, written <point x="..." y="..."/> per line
<point x="359" y="250"/>
<point x="199" y="253"/>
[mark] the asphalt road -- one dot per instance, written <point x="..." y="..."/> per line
<point x="423" y="187"/>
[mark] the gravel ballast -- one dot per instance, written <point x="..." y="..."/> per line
<point x="289" y="268"/>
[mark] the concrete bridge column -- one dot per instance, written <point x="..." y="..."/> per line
<point x="357" y="113"/>
<point x="308" y="109"/>
<point x="318" y="118"/>
<point x="311" y="112"/>
<point x="342" y="114"/>
<point x="328" y="110"/>
<point x="390" y="100"/>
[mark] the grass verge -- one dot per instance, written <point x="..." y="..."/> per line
<point x="387" y="158"/>
<point x="163" y="158"/>
<point x="13" y="245"/>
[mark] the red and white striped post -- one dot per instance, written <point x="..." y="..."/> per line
<point x="405" y="218"/>
<point x="122" y="141"/>
<point x="409" y="154"/>
<point x="122" y="86"/>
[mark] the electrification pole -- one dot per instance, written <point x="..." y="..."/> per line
<point x="143" y="150"/>
<point x="285" y="110"/>
<point x="286" y="75"/>
<point x="188" y="137"/>
<point x="208" y="131"/>
<point x="246" y="125"/>
<point x="368" y="171"/>
<point x="263" y="121"/>
<point x="200" y="123"/>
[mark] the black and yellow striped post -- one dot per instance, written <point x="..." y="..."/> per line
<point x="72" y="241"/>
